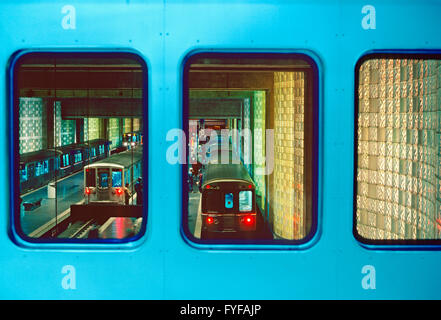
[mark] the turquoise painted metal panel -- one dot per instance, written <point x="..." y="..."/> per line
<point x="163" y="264"/>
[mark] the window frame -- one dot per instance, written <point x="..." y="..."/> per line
<point x="15" y="232"/>
<point x="315" y="95"/>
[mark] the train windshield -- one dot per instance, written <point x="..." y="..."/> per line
<point x="116" y="178"/>
<point x="103" y="178"/>
<point x="245" y="201"/>
<point x="90" y="178"/>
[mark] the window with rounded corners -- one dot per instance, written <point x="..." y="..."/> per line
<point x="397" y="156"/>
<point x="250" y="123"/>
<point x="78" y="120"/>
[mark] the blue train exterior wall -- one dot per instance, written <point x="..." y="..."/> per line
<point x="163" y="264"/>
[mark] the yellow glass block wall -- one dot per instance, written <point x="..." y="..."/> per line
<point x="398" y="174"/>
<point x="113" y="132"/>
<point x="287" y="201"/>
<point x="92" y="128"/>
<point x="127" y="125"/>
<point x="136" y="124"/>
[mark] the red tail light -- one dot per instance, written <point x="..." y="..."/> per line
<point x="87" y="191"/>
<point x="209" y="220"/>
<point x="119" y="191"/>
<point x="248" y="220"/>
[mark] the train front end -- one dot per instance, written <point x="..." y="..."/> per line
<point x="104" y="184"/>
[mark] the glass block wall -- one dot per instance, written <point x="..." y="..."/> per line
<point x="259" y="146"/>
<point x="64" y="129"/>
<point x="247" y="149"/>
<point x="113" y="132"/>
<point x="57" y="117"/>
<point x="287" y="201"/>
<point x="234" y="135"/>
<point x="127" y="125"/>
<point x="67" y="132"/>
<point x="91" y="128"/>
<point x="398" y="171"/>
<point x="32" y="116"/>
<point x="136" y="124"/>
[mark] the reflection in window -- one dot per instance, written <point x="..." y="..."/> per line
<point x="116" y="178"/>
<point x="245" y="201"/>
<point x="103" y="178"/>
<point x="398" y="194"/>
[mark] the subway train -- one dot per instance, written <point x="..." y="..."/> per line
<point x="106" y="180"/>
<point x="38" y="168"/>
<point x="228" y="200"/>
<point x="346" y="175"/>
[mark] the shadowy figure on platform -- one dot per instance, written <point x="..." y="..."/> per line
<point x="127" y="194"/>
<point x="139" y="191"/>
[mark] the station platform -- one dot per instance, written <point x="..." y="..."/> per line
<point x="194" y="224"/>
<point x="119" y="228"/>
<point x="69" y="191"/>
